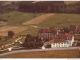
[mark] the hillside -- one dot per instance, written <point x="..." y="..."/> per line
<point x="70" y="2"/>
<point x="61" y="20"/>
<point x="17" y="18"/>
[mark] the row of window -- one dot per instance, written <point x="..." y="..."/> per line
<point x="60" y="45"/>
<point x="47" y="35"/>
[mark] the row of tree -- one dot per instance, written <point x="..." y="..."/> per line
<point x="32" y="42"/>
<point x="41" y="6"/>
<point x="49" y="7"/>
<point x="8" y="7"/>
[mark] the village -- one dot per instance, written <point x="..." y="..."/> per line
<point x="46" y="38"/>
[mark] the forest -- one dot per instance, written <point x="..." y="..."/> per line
<point x="49" y="7"/>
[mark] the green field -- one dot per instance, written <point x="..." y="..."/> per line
<point x="61" y="20"/>
<point x="17" y="18"/>
<point x="70" y="2"/>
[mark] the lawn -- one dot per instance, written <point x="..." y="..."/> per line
<point x="17" y="18"/>
<point x="61" y="20"/>
<point x="47" y="54"/>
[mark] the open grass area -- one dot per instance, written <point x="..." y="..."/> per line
<point x="17" y="18"/>
<point x="47" y="54"/>
<point x="31" y="31"/>
<point x="61" y="20"/>
<point x="70" y="2"/>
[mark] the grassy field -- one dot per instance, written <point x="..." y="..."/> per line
<point x="47" y="54"/>
<point x="31" y="31"/>
<point x="17" y="18"/>
<point x="70" y="2"/>
<point x="61" y="20"/>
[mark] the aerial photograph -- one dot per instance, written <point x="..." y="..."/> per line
<point x="39" y="29"/>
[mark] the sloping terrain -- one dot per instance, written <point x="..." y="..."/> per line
<point x="69" y="2"/>
<point x="61" y="20"/>
<point x="39" y="19"/>
<point x="15" y="29"/>
<point x="17" y="18"/>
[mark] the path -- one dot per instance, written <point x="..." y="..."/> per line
<point x="39" y="19"/>
<point x="37" y="50"/>
<point x="15" y="29"/>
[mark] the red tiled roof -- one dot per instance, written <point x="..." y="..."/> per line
<point x="66" y="35"/>
<point x="39" y="37"/>
<point x="51" y="41"/>
<point x="57" y="41"/>
<point x="47" y="31"/>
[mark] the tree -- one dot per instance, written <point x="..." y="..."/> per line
<point x="10" y="34"/>
<point x="40" y="43"/>
<point x="0" y="37"/>
<point x="66" y="30"/>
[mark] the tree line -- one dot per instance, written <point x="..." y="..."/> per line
<point x="8" y="7"/>
<point x="32" y="42"/>
<point x="49" y="7"/>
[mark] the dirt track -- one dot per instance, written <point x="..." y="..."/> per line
<point x="39" y="19"/>
<point x="15" y="29"/>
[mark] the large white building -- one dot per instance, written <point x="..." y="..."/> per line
<point x="65" y="41"/>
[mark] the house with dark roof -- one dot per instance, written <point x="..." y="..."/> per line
<point x="74" y="29"/>
<point x="47" y="33"/>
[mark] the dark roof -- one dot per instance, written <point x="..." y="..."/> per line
<point x="72" y="27"/>
<point x="57" y="41"/>
<point x="48" y="30"/>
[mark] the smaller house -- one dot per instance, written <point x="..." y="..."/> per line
<point x="74" y="29"/>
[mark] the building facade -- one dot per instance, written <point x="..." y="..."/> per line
<point x="62" y="42"/>
<point x="47" y="33"/>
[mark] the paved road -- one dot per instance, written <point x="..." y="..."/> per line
<point x="37" y="50"/>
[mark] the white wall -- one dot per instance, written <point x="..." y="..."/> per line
<point x="63" y="44"/>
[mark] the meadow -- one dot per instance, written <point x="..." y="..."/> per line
<point x="17" y="18"/>
<point x="70" y="2"/>
<point x="61" y="20"/>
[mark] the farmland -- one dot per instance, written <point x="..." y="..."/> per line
<point x="38" y="19"/>
<point x="47" y="54"/>
<point x="15" y="29"/>
<point x="61" y="20"/>
<point x="17" y="18"/>
<point x="70" y="2"/>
